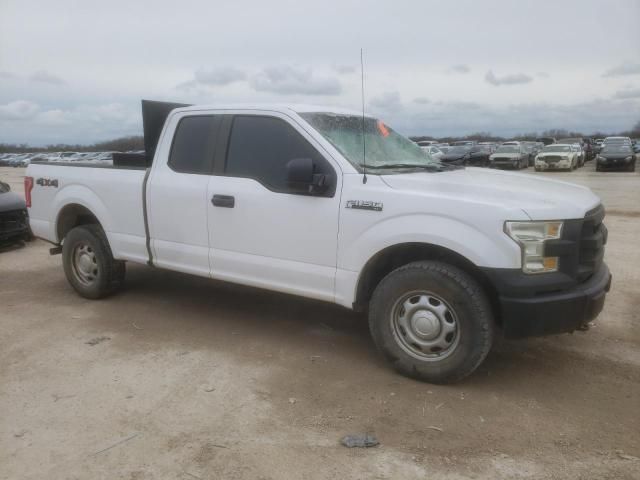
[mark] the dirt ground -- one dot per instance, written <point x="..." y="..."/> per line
<point x="179" y="377"/>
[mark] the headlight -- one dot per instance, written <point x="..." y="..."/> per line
<point x="532" y="236"/>
<point x="628" y="159"/>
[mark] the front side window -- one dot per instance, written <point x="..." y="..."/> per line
<point x="194" y="143"/>
<point x="261" y="147"/>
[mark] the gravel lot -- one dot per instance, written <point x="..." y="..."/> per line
<point x="179" y="377"/>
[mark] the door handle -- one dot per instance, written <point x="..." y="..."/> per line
<point x="226" y="201"/>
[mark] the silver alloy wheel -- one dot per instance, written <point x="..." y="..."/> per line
<point x="85" y="264"/>
<point x="425" y="326"/>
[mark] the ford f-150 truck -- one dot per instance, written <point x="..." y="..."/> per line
<point x="332" y="205"/>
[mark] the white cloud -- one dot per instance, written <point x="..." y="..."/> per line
<point x="387" y="102"/>
<point x="628" y="93"/>
<point x="421" y="100"/>
<point x="623" y="69"/>
<point x="288" y="80"/>
<point x="7" y="75"/>
<point x="19" y="110"/>
<point x="220" y="76"/>
<point x="45" y="77"/>
<point x="511" y="79"/>
<point x="344" y="69"/>
<point x="460" y="68"/>
<point x="23" y="121"/>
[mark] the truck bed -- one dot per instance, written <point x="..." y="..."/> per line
<point x="115" y="194"/>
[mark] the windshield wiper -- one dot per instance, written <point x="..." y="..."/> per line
<point x="402" y="165"/>
<point x="441" y="167"/>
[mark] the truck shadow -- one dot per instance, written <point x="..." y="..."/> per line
<point x="230" y="314"/>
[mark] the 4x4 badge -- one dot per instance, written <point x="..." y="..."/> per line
<point x="364" y="205"/>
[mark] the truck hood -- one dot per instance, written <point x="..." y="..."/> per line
<point x="539" y="198"/>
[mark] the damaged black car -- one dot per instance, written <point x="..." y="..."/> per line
<point x="14" y="219"/>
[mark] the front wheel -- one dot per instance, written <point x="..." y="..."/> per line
<point x="432" y="321"/>
<point x="89" y="264"/>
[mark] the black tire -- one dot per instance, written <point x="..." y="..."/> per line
<point x="462" y="298"/>
<point x="89" y="264"/>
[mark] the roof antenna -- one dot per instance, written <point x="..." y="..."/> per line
<point x="364" y="147"/>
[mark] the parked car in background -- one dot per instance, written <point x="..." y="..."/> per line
<point x="580" y="154"/>
<point x="509" y="156"/>
<point x="617" y="141"/>
<point x="14" y="221"/>
<point x="546" y="140"/>
<point x="589" y="149"/>
<point x="616" y="156"/>
<point x="444" y="147"/>
<point x="458" y="155"/>
<point x="557" y="156"/>
<point x="426" y="143"/>
<point x="580" y="148"/>
<point x="479" y="155"/>
<point x="528" y="148"/>
<point x="435" y="152"/>
<point x="465" y="142"/>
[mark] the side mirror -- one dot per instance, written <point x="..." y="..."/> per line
<point x="301" y="176"/>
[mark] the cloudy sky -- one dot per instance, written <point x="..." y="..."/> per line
<point x="75" y="71"/>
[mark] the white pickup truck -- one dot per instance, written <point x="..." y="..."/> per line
<point x="297" y="199"/>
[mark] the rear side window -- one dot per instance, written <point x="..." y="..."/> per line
<point x="261" y="147"/>
<point x="194" y="144"/>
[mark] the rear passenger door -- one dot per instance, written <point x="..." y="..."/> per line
<point x="261" y="231"/>
<point x="177" y="200"/>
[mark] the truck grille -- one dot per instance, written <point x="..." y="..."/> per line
<point x="13" y="223"/>
<point x="593" y="238"/>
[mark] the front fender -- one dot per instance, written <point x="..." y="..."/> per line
<point x="484" y="249"/>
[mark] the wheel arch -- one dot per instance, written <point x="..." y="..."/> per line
<point x="71" y="216"/>
<point x="390" y="258"/>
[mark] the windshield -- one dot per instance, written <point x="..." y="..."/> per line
<point x="384" y="147"/>
<point x="616" y="149"/>
<point x="508" y="149"/>
<point x="557" y="148"/>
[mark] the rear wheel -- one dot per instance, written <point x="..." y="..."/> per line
<point x="432" y="321"/>
<point x="89" y="264"/>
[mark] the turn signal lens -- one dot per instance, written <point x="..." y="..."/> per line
<point x="532" y="237"/>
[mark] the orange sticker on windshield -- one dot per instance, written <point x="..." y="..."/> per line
<point x="383" y="129"/>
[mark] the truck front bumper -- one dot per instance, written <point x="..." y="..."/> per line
<point x="559" y="312"/>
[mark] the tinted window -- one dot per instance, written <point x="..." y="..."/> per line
<point x="261" y="147"/>
<point x="194" y="144"/>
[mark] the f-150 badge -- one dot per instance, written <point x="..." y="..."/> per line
<point x="365" y="205"/>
